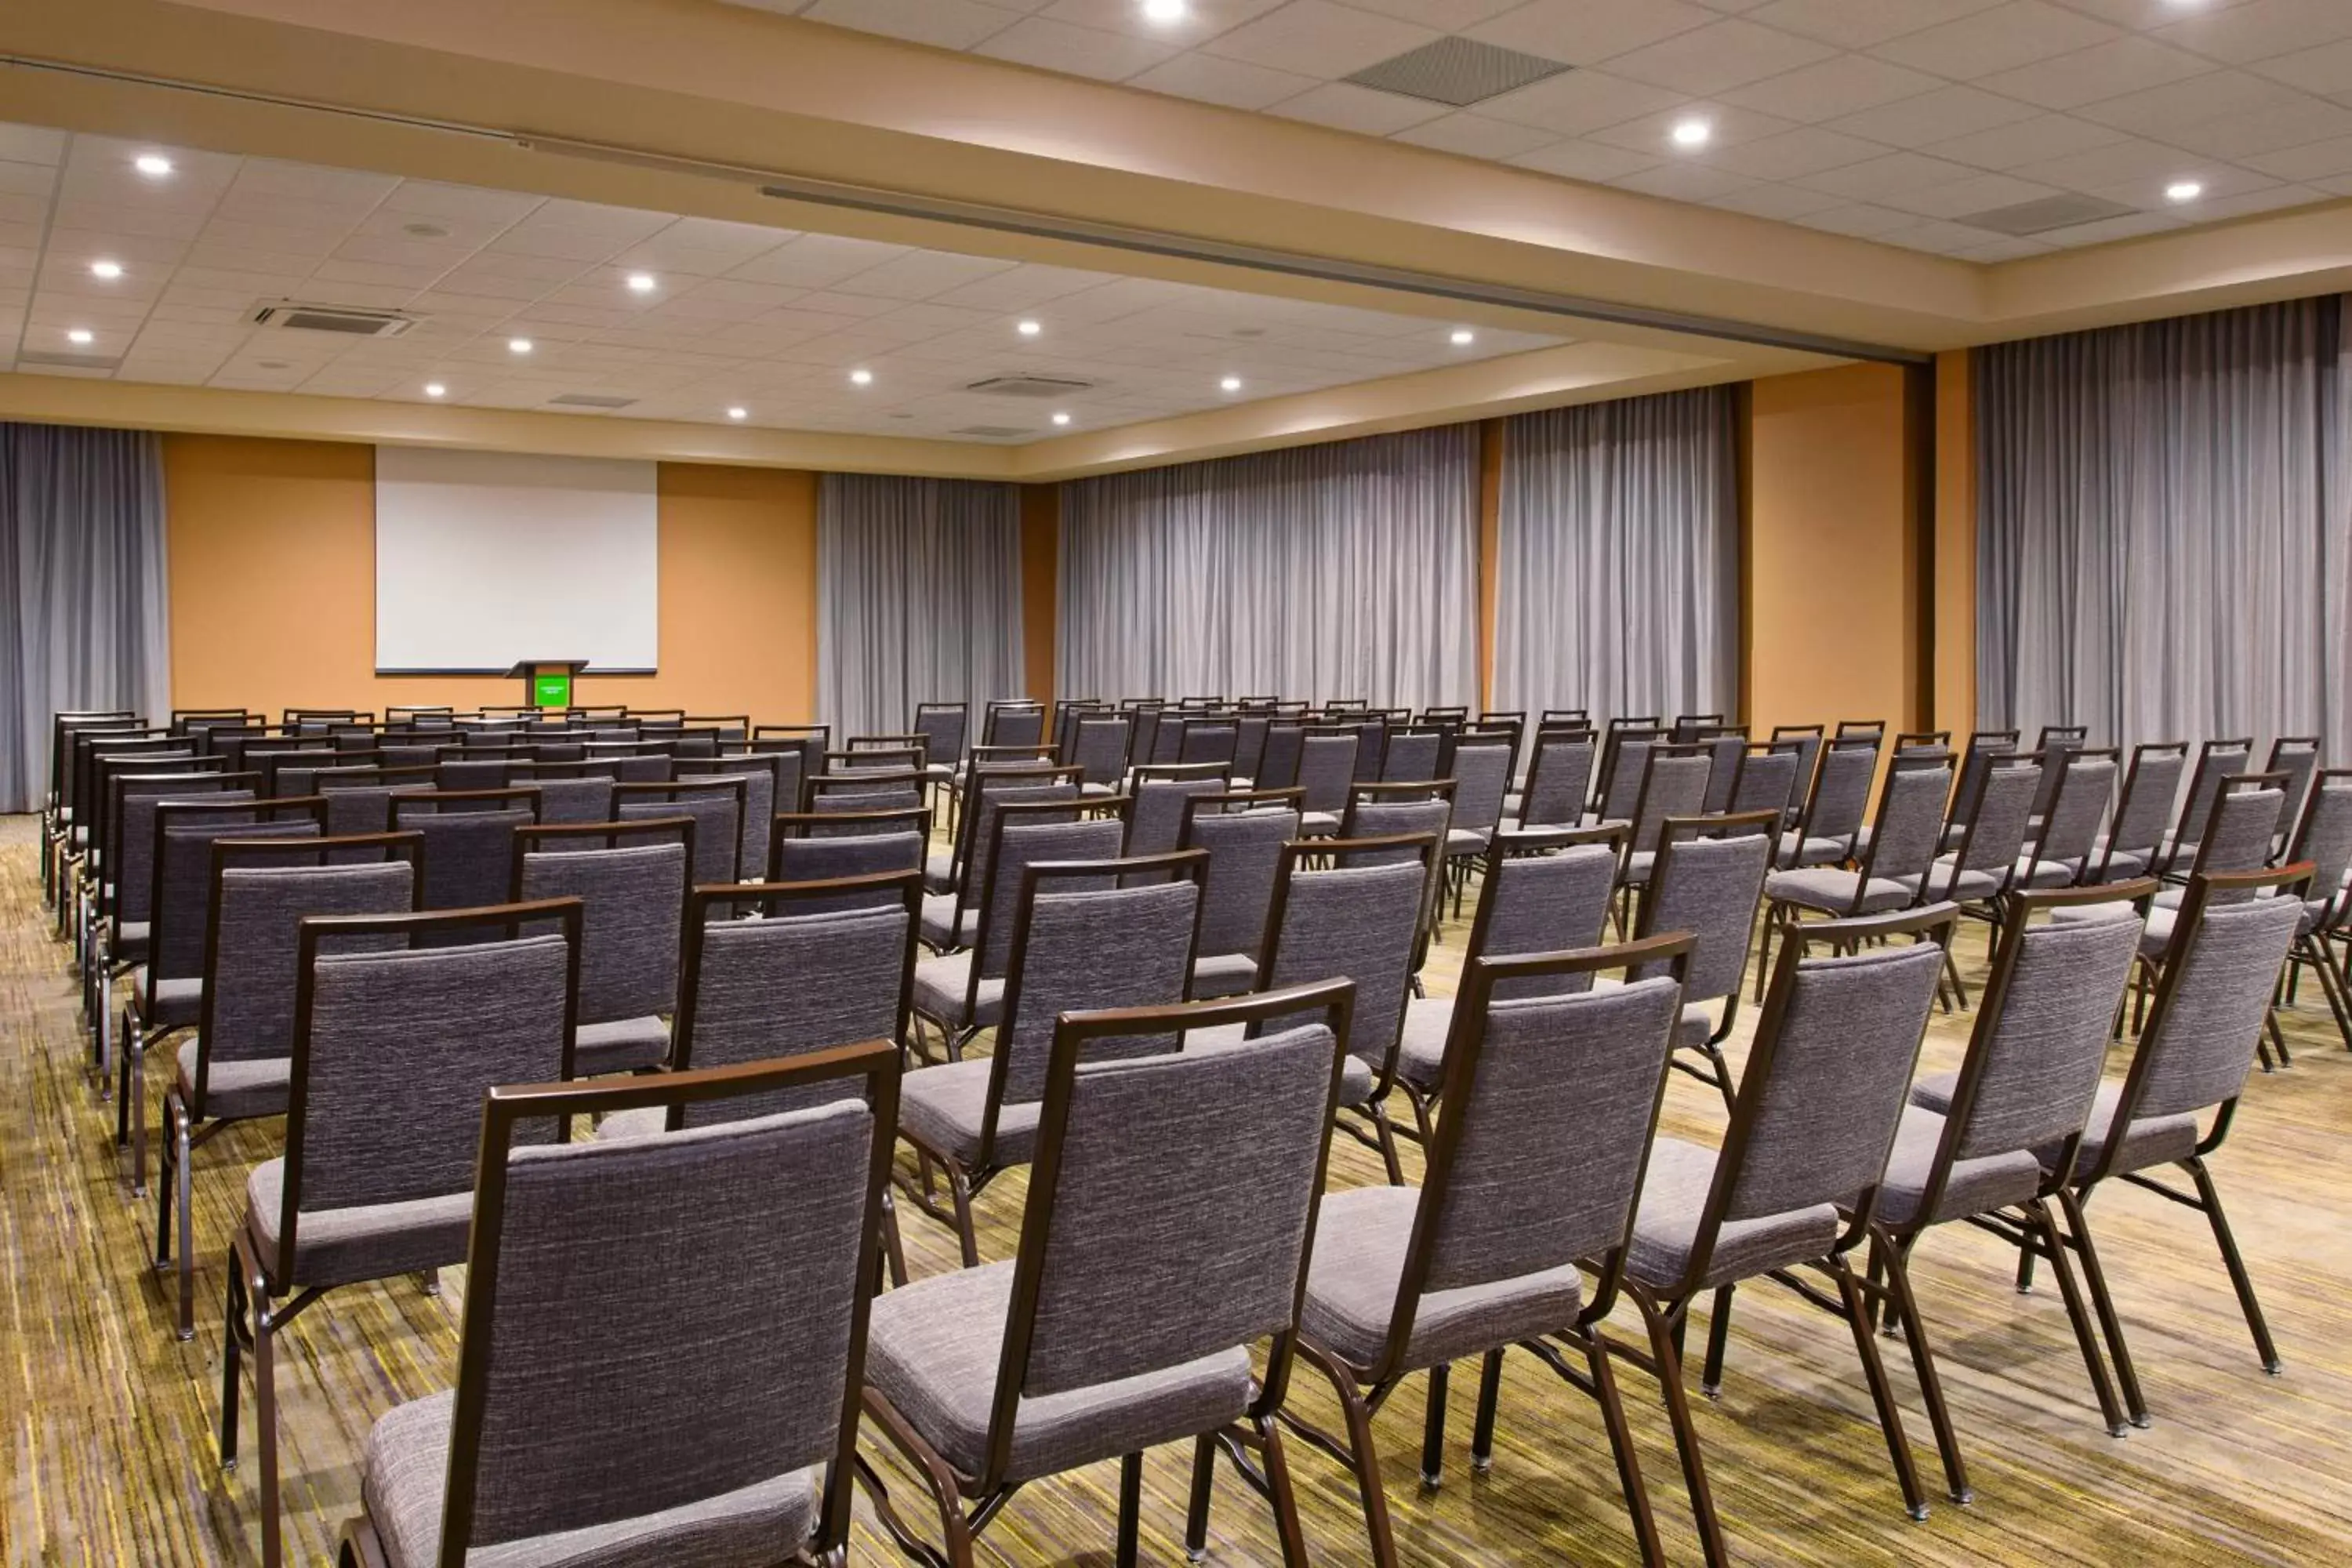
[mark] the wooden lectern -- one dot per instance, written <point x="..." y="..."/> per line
<point x="547" y="683"/>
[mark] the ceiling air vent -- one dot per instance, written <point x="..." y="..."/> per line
<point x="1457" y="70"/>
<point x="96" y="363"/>
<point x="589" y="400"/>
<point x="350" y="320"/>
<point x="1030" y="387"/>
<point x="991" y="432"/>
<point x="2046" y="213"/>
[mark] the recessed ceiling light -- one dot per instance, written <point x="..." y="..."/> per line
<point x="1463" y="337"/>
<point x="1030" y="329"/>
<point x="154" y="165"/>
<point x="109" y="271"/>
<point x="641" y="282"/>
<point x="1231" y="384"/>
<point x="435" y="389"/>
<point x="1691" y="132"/>
<point x="861" y="378"/>
<point x="1061" y="419"/>
<point x="2183" y="191"/>
<point x="80" y="337"/>
<point x="739" y="413"/>
<point x="1166" y="13"/>
<point x="518" y="345"/>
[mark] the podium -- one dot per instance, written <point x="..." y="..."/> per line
<point x="547" y="683"/>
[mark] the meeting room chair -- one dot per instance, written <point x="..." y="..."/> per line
<point x="2133" y="845"/>
<point x="1903" y="847"/>
<point x="1708" y="881"/>
<point x="1560" y="780"/>
<point x="720" y="806"/>
<point x="1327" y="766"/>
<point x="2324" y="839"/>
<point x="1829" y="821"/>
<point x="632" y="881"/>
<point x="1243" y="833"/>
<point x="952" y="918"/>
<point x="2294" y="758"/>
<point x="2061" y="850"/>
<point x="469" y="839"/>
<point x="1159" y="792"/>
<point x="1481" y="770"/>
<point x="2216" y="761"/>
<point x="1674" y="779"/>
<point x="760" y="774"/>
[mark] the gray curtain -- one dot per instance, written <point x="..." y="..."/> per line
<point x="918" y="598"/>
<point x="1619" y="571"/>
<point x="2164" y="529"/>
<point x="82" y="586"/>
<point x="1348" y="569"/>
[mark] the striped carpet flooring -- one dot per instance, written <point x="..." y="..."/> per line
<point x="109" y="1450"/>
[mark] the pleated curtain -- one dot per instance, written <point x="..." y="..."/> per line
<point x="1344" y="570"/>
<point x="918" y="598"/>
<point x="83" y="588"/>
<point x="2165" y="529"/>
<point x="1619" y="560"/>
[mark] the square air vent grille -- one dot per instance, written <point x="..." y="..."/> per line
<point x="1030" y="385"/>
<point x="1456" y="70"/>
<point x="347" y="320"/>
<point x="991" y="432"/>
<point x="2040" y="215"/>
<point x="588" y="400"/>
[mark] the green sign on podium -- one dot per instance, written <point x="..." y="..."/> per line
<point x="547" y="683"/>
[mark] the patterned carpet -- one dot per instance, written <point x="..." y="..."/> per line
<point x="109" y="1455"/>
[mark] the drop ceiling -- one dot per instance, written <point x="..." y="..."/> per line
<point x="1895" y="121"/>
<point x="770" y="321"/>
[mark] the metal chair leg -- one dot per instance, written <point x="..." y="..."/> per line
<point x="1923" y="1364"/>
<point x="1669" y="1366"/>
<point x="2111" y="1324"/>
<point x="2240" y="1280"/>
<point x="1433" y="1428"/>
<point x="1490" y="1394"/>
<point x="1881" y="1393"/>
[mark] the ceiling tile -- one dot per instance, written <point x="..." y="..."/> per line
<point x="2106" y="229"/>
<point x="1452" y="16"/>
<point x="2098" y="168"/>
<point x="32" y="145"/>
<point x="1844" y="85"/>
<point x="1578" y="102"/>
<point x="1730" y="128"/>
<point x="1782" y="202"/>
<point x="1958" y="198"/>
<point x="1202" y="19"/>
<point x="1718" y="57"/>
<point x="2166" y="112"/>
<point x="1936" y="116"/>
<point x="2028" y="141"/>
<point x="1583" y="31"/>
<point x="2272" y="130"/>
<point x="1077" y="51"/>
<point x="2313" y="160"/>
<point x="2103" y="71"/>
<point x="1318" y="39"/>
<point x="1805" y="149"/>
<point x="2248" y="203"/>
<point x="1873" y="178"/>
<point x="2003" y="38"/>
<point x="1474" y="136"/>
<point x="1684" y="182"/>
<point x="1860" y="220"/>
<point x="1858" y="24"/>
<point x="817" y="261"/>
<point x="2325" y="69"/>
<point x="1344" y="106"/>
<point x="430" y="198"/>
<point x="2262" y="29"/>
<point x="1233" y="83"/>
<point x="947" y="24"/>
<point x="920" y="274"/>
<point x="1586" y="160"/>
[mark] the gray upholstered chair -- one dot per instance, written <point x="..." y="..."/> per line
<point x="632" y="880"/>
<point x="727" y="1436"/>
<point x="1545" y="890"/>
<point x="2134" y="844"/>
<point x="1327" y="766"/>
<point x="951" y="921"/>
<point x="814" y="846"/>
<point x="1674" y="781"/>
<point x="393" y="1051"/>
<point x="1727" y="745"/>
<point x="1482" y="774"/>
<point x="1243" y="834"/>
<point x="1112" y="1333"/>
<point x="2293" y="758"/>
<point x="1411" y="755"/>
<point x="2324" y="839"/>
<point x="1073" y="938"/>
<point x="1099" y="750"/>
<point x="1558" y="780"/>
<point x="1984" y="747"/>
<point x="720" y="806"/>
<point x="944" y="727"/>
<point x="761" y="776"/>
<point x="1708" y="881"/>
<point x="1278" y="758"/>
<point x="1160" y="792"/>
<point x="1624" y="758"/>
<point x="1829" y="825"/>
<point x="2061" y="854"/>
<point x="1982" y="868"/>
<point x="1014" y="722"/>
<point x="1795" y="1184"/>
<point x="127" y="893"/>
<point x="1550" y="1102"/>
<point x="1769" y="778"/>
<point x="2216" y="761"/>
<point x="2191" y="1061"/>
<point x="1971" y="1144"/>
<point x="950" y="871"/>
<point x="468" y="844"/>
<point x="1903" y="847"/>
<point x="588" y="798"/>
<point x="238" y="1064"/>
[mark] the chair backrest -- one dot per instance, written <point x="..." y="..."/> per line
<point x="2324" y="839"/>
<point x="1558" y="780"/>
<point x="1814" y="1116"/>
<point x="1327" y="766"/>
<point x="720" y="806"/>
<point x="988" y="783"/>
<point x="1278" y="758"/>
<point x="943" y="726"/>
<point x="1624" y="760"/>
<point x="1098" y="746"/>
<point x="261" y="892"/>
<point x="782" y="1216"/>
<point x="1244" y="835"/>
<point x="1727" y="745"/>
<point x="472" y="773"/>
<point x="1015" y="724"/>
<point x="809" y="975"/>
<point x="2041" y="1037"/>
<point x="2238" y="828"/>
<point x="1548" y="893"/>
<point x="1026" y="831"/>
<point x="2199" y="1041"/>
<point x="2216" y="761"/>
<point x="1371" y="746"/>
<point x="2146" y="809"/>
<point x="1840" y="791"/>
<point x="1209" y="740"/>
<point x="574" y="800"/>
<point x="468" y="842"/>
<point x="1411" y="755"/>
<point x="1909" y="829"/>
<point x="820" y="847"/>
<point x="1482" y="774"/>
<point x="1355" y="921"/>
<point x="1808" y="741"/>
<point x="760" y="774"/>
<point x="2295" y="757"/>
<point x="861" y="789"/>
<point x="1156" y="819"/>
<point x="1992" y="841"/>
<point x="2058" y="743"/>
<point x="1674" y="778"/>
<point x="131" y="865"/>
<point x="393" y="1051"/>
<point x="180" y="895"/>
<point x="635" y="897"/>
<point x="1984" y="745"/>
<point x="1707" y="880"/>
<point x="1769" y="777"/>
<point x="1549" y="1109"/>
<point x="1172" y="1202"/>
<point x="2071" y="829"/>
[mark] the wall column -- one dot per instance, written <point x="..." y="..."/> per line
<point x="1041" y="564"/>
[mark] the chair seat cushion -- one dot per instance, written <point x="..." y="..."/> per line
<point x="1831" y="892"/>
<point x="405" y="1476"/>
<point x="1974" y="1186"/>
<point x="1421" y="1054"/>
<point x="2154" y="1141"/>
<point x="1948" y="881"/>
<point x="1097" y="791"/>
<point x="933" y="1350"/>
<point x="644" y="1122"/>
<point x="1318" y="825"/>
<point x="130" y="942"/>
<point x="1227" y="974"/>
<point x="2120" y="865"/>
<point x="939" y="770"/>
<point x="943" y="1108"/>
<point x="1360" y="1236"/>
<point x="1674" y="1199"/>
<point x="939" y="871"/>
<point x="1355" y="1073"/>
<point x="943" y="986"/>
<point x="369" y="1241"/>
<point x="620" y="1044"/>
<point x="233" y="1089"/>
<point x="1467" y="840"/>
<point x="941" y="926"/>
<point x="2032" y="873"/>
<point x="1811" y="851"/>
<point x="174" y="1004"/>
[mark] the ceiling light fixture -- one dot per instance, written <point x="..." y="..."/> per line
<point x="1030" y="329"/>
<point x="435" y="389"/>
<point x="641" y="282"/>
<point x="739" y="413"/>
<point x="861" y="378"/>
<point x="1691" y="132"/>
<point x="2183" y="191"/>
<point x="154" y="165"/>
<point x="1061" y="419"/>
<point x="1164" y="13"/>
<point x="1231" y="384"/>
<point x="518" y="345"/>
<point x="80" y="337"/>
<point x="1463" y="337"/>
<point x="110" y="270"/>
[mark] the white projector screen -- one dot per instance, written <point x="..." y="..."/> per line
<point x="484" y="559"/>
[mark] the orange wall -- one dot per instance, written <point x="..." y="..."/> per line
<point x="272" y="553"/>
<point x="1956" y="545"/>
<point x="1041" y="565"/>
<point x="1833" y="617"/>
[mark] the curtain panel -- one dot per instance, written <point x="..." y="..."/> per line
<point x="1348" y="569"/>
<point x="1618" y="563"/>
<point x="2164" y="526"/>
<point x="918" y="598"/>
<point x="83" y="588"/>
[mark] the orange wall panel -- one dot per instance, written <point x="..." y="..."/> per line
<point x="1041" y="566"/>
<point x="1956" y="545"/>
<point x="272" y="557"/>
